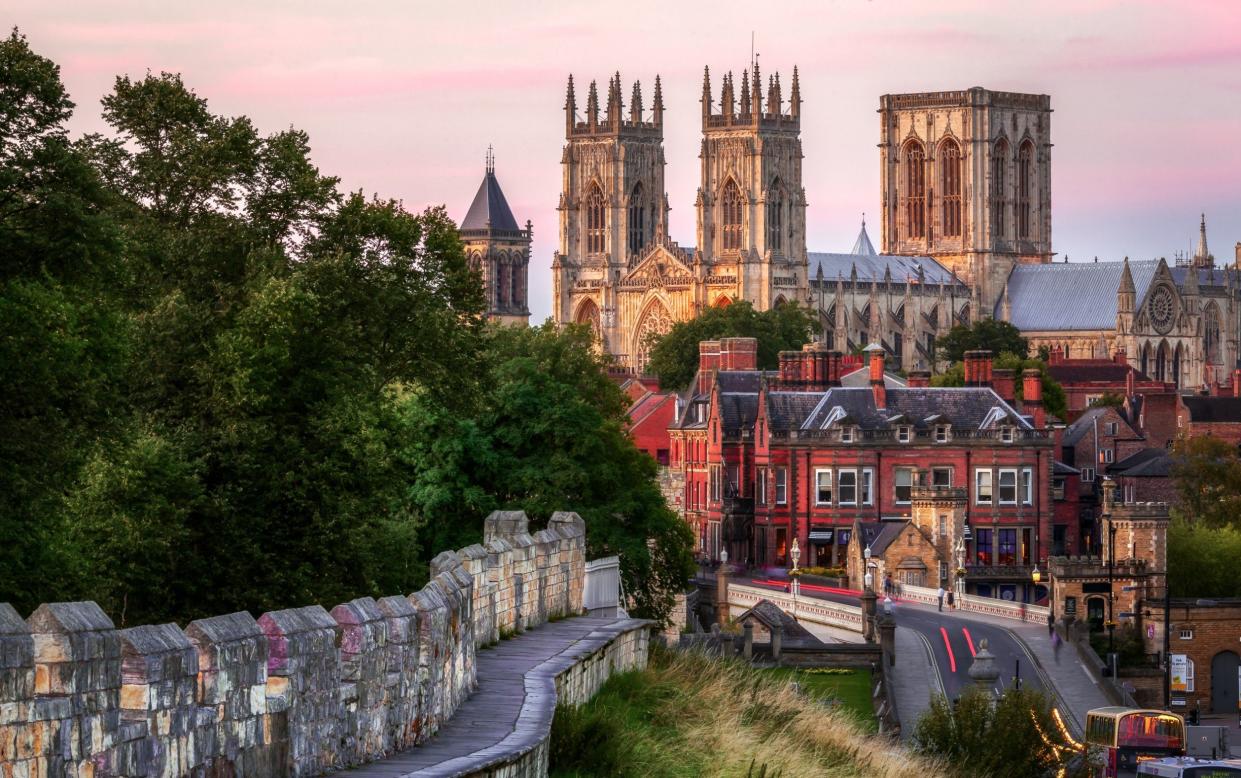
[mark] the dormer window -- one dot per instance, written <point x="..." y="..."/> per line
<point x="904" y="434"/>
<point x="846" y="434"/>
<point x="700" y="412"/>
<point x="941" y="433"/>
<point x="1006" y="434"/>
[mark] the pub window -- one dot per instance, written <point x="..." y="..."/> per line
<point x="1027" y="544"/>
<point x="823" y="487"/>
<point x="1057" y="489"/>
<point x="782" y="483"/>
<point x="903" y="477"/>
<point x="1008" y="547"/>
<point x="848" y="487"/>
<point x="1107" y="455"/>
<point x="982" y="487"/>
<point x="982" y="546"/>
<point x="1008" y="487"/>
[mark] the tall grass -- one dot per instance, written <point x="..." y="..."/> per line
<point x="692" y="715"/>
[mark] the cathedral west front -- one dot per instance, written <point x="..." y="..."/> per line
<point x="965" y="233"/>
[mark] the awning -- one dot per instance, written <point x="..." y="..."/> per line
<point x="824" y="536"/>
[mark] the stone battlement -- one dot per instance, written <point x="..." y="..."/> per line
<point x="299" y="692"/>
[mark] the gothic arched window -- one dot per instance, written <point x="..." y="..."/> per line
<point x="502" y="282"/>
<point x="1211" y="333"/>
<point x="655" y="322"/>
<point x="1176" y="366"/>
<point x="1162" y="357"/>
<point x="1146" y="356"/>
<point x="915" y="189"/>
<point x="1025" y="188"/>
<point x="516" y="296"/>
<point x="733" y="215"/>
<point x="775" y="217"/>
<point x="950" y="187"/>
<point x="595" y="220"/>
<point x="999" y="187"/>
<point x="637" y="226"/>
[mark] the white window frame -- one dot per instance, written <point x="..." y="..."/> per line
<point x="782" y="486"/>
<point x="762" y="486"/>
<point x="942" y="433"/>
<point x="999" y="481"/>
<point x="1187" y="633"/>
<point x="982" y="474"/>
<point x="896" y="484"/>
<point x="1087" y="475"/>
<point x="1111" y="427"/>
<point x="935" y="470"/>
<point x="846" y="434"/>
<point x="840" y="496"/>
<point x="1189" y="674"/>
<point x="1006" y="434"/>
<point x="1025" y="486"/>
<point x="868" y="486"/>
<point x="942" y="523"/>
<point x="1108" y="455"/>
<point x="903" y="434"/>
<point x="818" y="487"/>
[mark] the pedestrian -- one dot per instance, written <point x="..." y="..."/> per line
<point x="1056" y="642"/>
<point x="887" y="585"/>
<point x="1051" y="623"/>
<point x="952" y="600"/>
<point x="940" y="596"/>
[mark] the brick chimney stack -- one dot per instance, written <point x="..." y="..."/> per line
<point x="1236" y="383"/>
<point x="834" y="368"/>
<point x="814" y="370"/>
<point x="737" y="353"/>
<point x="978" y="368"/>
<point x="1120" y="357"/>
<point x="1005" y="383"/>
<point x="1131" y="383"/>
<point x="708" y="360"/>
<point x="877" y="385"/>
<point x="1032" y="394"/>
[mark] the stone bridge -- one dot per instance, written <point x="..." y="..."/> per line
<point x="308" y="691"/>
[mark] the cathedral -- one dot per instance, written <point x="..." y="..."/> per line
<point x="499" y="249"/>
<point x="965" y="234"/>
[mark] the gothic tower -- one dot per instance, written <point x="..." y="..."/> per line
<point x="966" y="179"/>
<point x="751" y="206"/>
<point x="500" y="249"/>
<point x="613" y="207"/>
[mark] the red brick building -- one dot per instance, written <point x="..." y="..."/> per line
<point x="649" y="418"/>
<point x="1087" y="380"/>
<point x="1204" y="641"/>
<point x="772" y="458"/>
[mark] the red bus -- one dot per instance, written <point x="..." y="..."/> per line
<point x="1119" y="739"/>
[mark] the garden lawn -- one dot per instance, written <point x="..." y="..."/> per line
<point x="850" y="688"/>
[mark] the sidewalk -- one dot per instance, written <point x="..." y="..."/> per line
<point x="912" y="678"/>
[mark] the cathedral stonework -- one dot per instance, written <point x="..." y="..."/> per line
<point x="499" y="250"/>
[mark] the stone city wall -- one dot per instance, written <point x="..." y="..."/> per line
<point x="298" y="692"/>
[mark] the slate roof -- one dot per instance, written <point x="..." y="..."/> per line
<point x="1092" y="371"/>
<point x="489" y="210"/>
<point x="770" y="615"/>
<point x="962" y="407"/>
<point x="738" y="411"/>
<point x="872" y="267"/>
<point x="861" y="377"/>
<point x="1081" y="295"/>
<point x="880" y="534"/>
<point x="862" y="246"/>
<point x="1084" y="424"/>
<point x="1060" y="468"/>
<point x="1213" y="409"/>
<point x="1147" y="463"/>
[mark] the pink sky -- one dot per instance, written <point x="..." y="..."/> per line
<point x="402" y="98"/>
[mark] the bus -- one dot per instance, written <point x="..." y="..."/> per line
<point x="1188" y="767"/>
<point x="1119" y="739"/>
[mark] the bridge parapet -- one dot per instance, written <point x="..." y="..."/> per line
<point x="297" y="692"/>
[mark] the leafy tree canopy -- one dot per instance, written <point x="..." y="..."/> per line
<point x="996" y="336"/>
<point x="1202" y="560"/>
<point x="1207" y="474"/>
<point x="674" y="356"/>
<point x="1054" y="400"/>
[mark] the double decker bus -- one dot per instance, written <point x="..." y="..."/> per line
<point x="1119" y="739"/>
<point x="1186" y="767"/>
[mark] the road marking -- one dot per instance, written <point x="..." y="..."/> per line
<point x="1087" y="672"/>
<point x="930" y="657"/>
<point x="952" y="659"/>
<point x="969" y="641"/>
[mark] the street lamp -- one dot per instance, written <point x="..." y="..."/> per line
<point x="867" y="578"/>
<point x="795" y="553"/>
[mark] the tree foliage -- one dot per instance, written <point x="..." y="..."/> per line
<point x="1014" y="736"/>
<point x="1202" y="560"/>
<point x="996" y="336"/>
<point x="228" y="386"/>
<point x="1054" y="399"/>
<point x="674" y="355"/>
<point x="1207" y="474"/>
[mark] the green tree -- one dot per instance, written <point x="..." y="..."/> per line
<point x="1108" y="400"/>
<point x="550" y="436"/>
<point x="993" y="335"/>
<point x="1054" y="399"/>
<point x="1013" y="737"/>
<point x="1207" y="474"/>
<point x="674" y="355"/>
<point x="1202" y="560"/>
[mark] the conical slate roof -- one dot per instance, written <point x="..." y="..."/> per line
<point x="863" y="246"/>
<point x="489" y="209"/>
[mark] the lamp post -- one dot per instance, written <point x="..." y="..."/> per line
<point x="1111" y="594"/>
<point x="795" y="554"/>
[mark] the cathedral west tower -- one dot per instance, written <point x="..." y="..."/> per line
<point x="966" y="179"/>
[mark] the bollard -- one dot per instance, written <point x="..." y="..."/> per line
<point x="749" y="642"/>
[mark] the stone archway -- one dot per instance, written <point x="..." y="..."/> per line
<point x="1225" y="682"/>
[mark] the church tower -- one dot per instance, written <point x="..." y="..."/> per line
<point x="751" y="206"/>
<point x="613" y="207"/>
<point x="497" y="247"/>
<point x="966" y="179"/>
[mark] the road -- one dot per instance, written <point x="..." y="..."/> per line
<point x="953" y="638"/>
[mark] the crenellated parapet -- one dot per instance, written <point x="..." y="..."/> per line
<point x="298" y="692"/>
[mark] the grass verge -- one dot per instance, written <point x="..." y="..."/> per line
<point x="849" y="689"/>
<point x="692" y="715"/>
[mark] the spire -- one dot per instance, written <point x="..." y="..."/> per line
<point x="570" y="108"/>
<point x="706" y="94"/>
<point x="773" y="104"/>
<point x="592" y="105"/>
<point x="728" y="105"/>
<point x="862" y="245"/>
<point x="491" y="161"/>
<point x="779" y="101"/>
<point x="1126" y="280"/>
<point x="658" y="107"/>
<point x="614" y="99"/>
<point x="745" y="93"/>
<point x="1202" y="257"/>
<point x="635" y="103"/>
<point x="757" y="110"/>
<point x="795" y="96"/>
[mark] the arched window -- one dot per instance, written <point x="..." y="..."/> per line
<point x="502" y="282"/>
<point x="1025" y="188"/>
<point x="1146" y="356"/>
<point x="775" y="217"/>
<point x="637" y="226"/>
<point x="655" y="322"/>
<point x="732" y="206"/>
<point x="588" y="313"/>
<point x="516" y="298"/>
<point x="1210" y="335"/>
<point x="1162" y="357"/>
<point x="595" y="219"/>
<point x="999" y="188"/>
<point x="915" y="190"/>
<point x="950" y="187"/>
<point x="1176" y="366"/>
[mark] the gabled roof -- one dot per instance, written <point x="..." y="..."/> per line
<point x="1147" y="463"/>
<point x="1213" y="409"/>
<point x="962" y="407"/>
<point x="861" y="377"/>
<point x="880" y="534"/>
<point x="489" y="210"/>
<point x="1085" y="424"/>
<point x="874" y="267"/>
<point x="770" y="615"/>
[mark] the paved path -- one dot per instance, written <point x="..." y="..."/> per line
<point x="496" y="719"/>
<point x="914" y="679"/>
